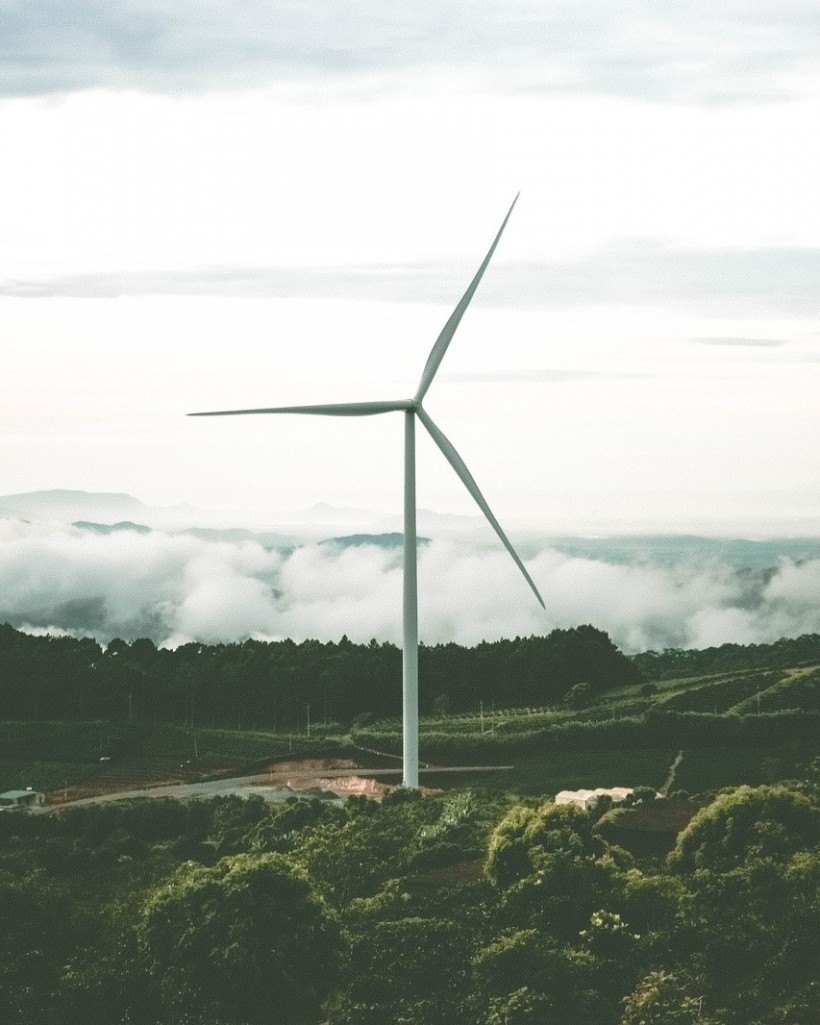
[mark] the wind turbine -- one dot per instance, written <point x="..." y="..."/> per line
<point x="413" y="410"/>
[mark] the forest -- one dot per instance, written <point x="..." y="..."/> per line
<point x="260" y="684"/>
<point x="478" y="902"/>
<point x="456" y="909"/>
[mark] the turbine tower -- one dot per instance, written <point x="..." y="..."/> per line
<point x="413" y="410"/>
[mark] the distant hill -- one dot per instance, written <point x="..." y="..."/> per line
<point x="672" y="549"/>
<point x="230" y="535"/>
<point x="68" y="506"/>
<point x="111" y="528"/>
<point x="108" y="512"/>
<point x="389" y="540"/>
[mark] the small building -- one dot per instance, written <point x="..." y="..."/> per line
<point x="27" y="798"/>
<point x="587" y="799"/>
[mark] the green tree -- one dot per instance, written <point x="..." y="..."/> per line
<point x="523" y="832"/>
<point x="35" y="938"/>
<point x="553" y="870"/>
<point x="664" y="998"/>
<point x="246" y="941"/>
<point x="521" y="1007"/>
<point x="354" y="857"/>
<point x="751" y="866"/>
<point x="523" y="974"/>
<point x="412" y="969"/>
<point x="747" y="824"/>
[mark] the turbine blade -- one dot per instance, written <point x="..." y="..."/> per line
<point x="457" y="463"/>
<point x="449" y="329"/>
<point x="334" y="409"/>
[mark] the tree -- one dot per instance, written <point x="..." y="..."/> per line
<point x="750" y="864"/>
<point x="35" y="937"/>
<point x="578" y="696"/>
<point x="552" y="869"/>
<point x="354" y="857"/>
<point x="522" y="976"/>
<point x="246" y="941"/>
<point x="521" y="1007"/>
<point x="663" y="998"/>
<point x="524" y="832"/>
<point x="413" y="969"/>
<point x="749" y="823"/>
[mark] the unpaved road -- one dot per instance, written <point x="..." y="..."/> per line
<point x="281" y="782"/>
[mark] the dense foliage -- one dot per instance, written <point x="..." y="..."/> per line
<point x="270" y="684"/>
<point x="676" y="662"/>
<point x="457" y="909"/>
<point x="467" y="908"/>
<point x="234" y="940"/>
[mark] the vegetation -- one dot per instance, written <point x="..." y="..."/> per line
<point x="460" y="908"/>
<point x="483" y="904"/>
<point x="274" y="686"/>
<point x="675" y="663"/>
<point x="156" y="715"/>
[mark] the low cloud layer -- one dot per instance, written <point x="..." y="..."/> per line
<point x="637" y="272"/>
<point x="695" y="50"/>
<point x="175" y="587"/>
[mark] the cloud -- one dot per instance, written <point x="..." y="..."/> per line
<point x="539" y="376"/>
<point x="176" y="587"/>
<point x="638" y="272"/>
<point x="130" y="584"/>
<point x="760" y="343"/>
<point x="695" y="50"/>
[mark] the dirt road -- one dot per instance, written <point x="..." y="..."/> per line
<point x="282" y="781"/>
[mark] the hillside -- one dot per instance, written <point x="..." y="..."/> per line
<point x="66" y="704"/>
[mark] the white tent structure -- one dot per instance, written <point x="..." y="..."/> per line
<point x="587" y="799"/>
<point x="413" y="409"/>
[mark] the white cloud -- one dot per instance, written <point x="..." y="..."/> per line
<point x="260" y="184"/>
<point x="638" y="273"/>
<point x="177" y="588"/>
<point x="694" y="50"/>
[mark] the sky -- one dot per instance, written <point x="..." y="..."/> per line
<point x="211" y="206"/>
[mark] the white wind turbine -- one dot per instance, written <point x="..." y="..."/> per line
<point x="412" y="408"/>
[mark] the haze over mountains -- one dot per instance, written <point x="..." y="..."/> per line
<point x="60" y="504"/>
<point x="109" y="565"/>
<point x="110" y="509"/>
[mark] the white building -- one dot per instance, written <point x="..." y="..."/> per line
<point x="27" y="798"/>
<point x="587" y="799"/>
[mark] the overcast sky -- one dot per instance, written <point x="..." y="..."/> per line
<point x="211" y="205"/>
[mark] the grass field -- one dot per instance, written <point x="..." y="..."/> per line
<point x="183" y="743"/>
<point x="713" y="768"/>
<point x="17" y="774"/>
